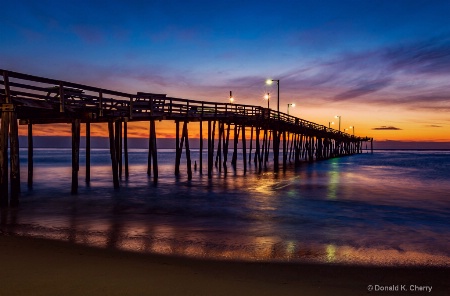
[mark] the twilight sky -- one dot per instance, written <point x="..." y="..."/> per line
<point x="384" y="66"/>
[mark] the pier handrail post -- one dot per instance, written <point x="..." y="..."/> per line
<point x="61" y="97"/>
<point x="100" y="102"/>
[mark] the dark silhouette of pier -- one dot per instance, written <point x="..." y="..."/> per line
<point x="29" y="100"/>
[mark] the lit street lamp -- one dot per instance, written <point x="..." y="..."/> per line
<point x="267" y="97"/>
<point x="339" y="116"/>
<point x="269" y="81"/>
<point x="293" y="105"/>
<point x="231" y="97"/>
<point x="330" y="123"/>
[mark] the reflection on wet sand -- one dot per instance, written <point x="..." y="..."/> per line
<point x="169" y="240"/>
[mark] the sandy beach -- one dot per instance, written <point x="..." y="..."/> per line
<point x="31" y="266"/>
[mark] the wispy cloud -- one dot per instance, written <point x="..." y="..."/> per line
<point x="433" y="125"/>
<point x="363" y="89"/>
<point x="384" y="128"/>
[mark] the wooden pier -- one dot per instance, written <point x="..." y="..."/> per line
<point x="31" y="100"/>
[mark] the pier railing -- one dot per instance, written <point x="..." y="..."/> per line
<point x="32" y="93"/>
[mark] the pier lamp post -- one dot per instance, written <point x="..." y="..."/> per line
<point x="293" y="105"/>
<point x="353" y="128"/>
<point x="231" y="97"/>
<point x="269" y="82"/>
<point x="330" y="123"/>
<point x="339" y="116"/>
<point x="345" y="130"/>
<point x="267" y="97"/>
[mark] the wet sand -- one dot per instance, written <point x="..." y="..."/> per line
<point x="30" y="266"/>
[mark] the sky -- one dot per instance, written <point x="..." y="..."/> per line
<point x="383" y="66"/>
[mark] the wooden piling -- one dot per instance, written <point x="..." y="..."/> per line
<point x="264" y="148"/>
<point x="119" y="145"/>
<point x="276" y="150"/>
<point x="4" y="180"/>
<point x="244" y="149"/>
<point x="219" y="147"/>
<point x="75" y="154"/>
<point x="210" y="152"/>
<point x="30" y="154"/>
<point x="188" y="151"/>
<point x="125" y="147"/>
<point x="213" y="135"/>
<point x="177" y="148"/>
<point x="251" y="146"/>
<point x="14" y="159"/>
<point x="236" y="138"/>
<point x="112" y="149"/>
<point x="201" y="147"/>
<point x="258" y="149"/>
<point x="226" y="141"/>
<point x="297" y="148"/>
<point x="285" y="145"/>
<point x="153" y="149"/>
<point x="88" y="152"/>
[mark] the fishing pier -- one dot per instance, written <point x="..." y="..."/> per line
<point x="30" y="100"/>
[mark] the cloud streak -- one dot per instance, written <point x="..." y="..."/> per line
<point x="386" y="128"/>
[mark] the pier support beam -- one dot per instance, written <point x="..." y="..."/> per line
<point x="14" y="159"/>
<point x="177" y="150"/>
<point x="112" y="149"/>
<point x="210" y="151"/>
<point x="244" y="149"/>
<point x="226" y="140"/>
<point x="201" y="147"/>
<point x="276" y="150"/>
<point x="125" y="147"/>
<point x="30" y="155"/>
<point x="188" y="151"/>
<point x="152" y="150"/>
<point x="75" y="154"/>
<point x="236" y="139"/>
<point x="118" y="139"/>
<point x="4" y="180"/>
<point x="88" y="152"/>
<point x="285" y="152"/>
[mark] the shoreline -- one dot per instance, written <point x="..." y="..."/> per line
<point x="36" y="266"/>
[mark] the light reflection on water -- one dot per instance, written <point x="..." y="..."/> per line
<point x="387" y="208"/>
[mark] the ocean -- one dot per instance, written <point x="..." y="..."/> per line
<point x="385" y="208"/>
